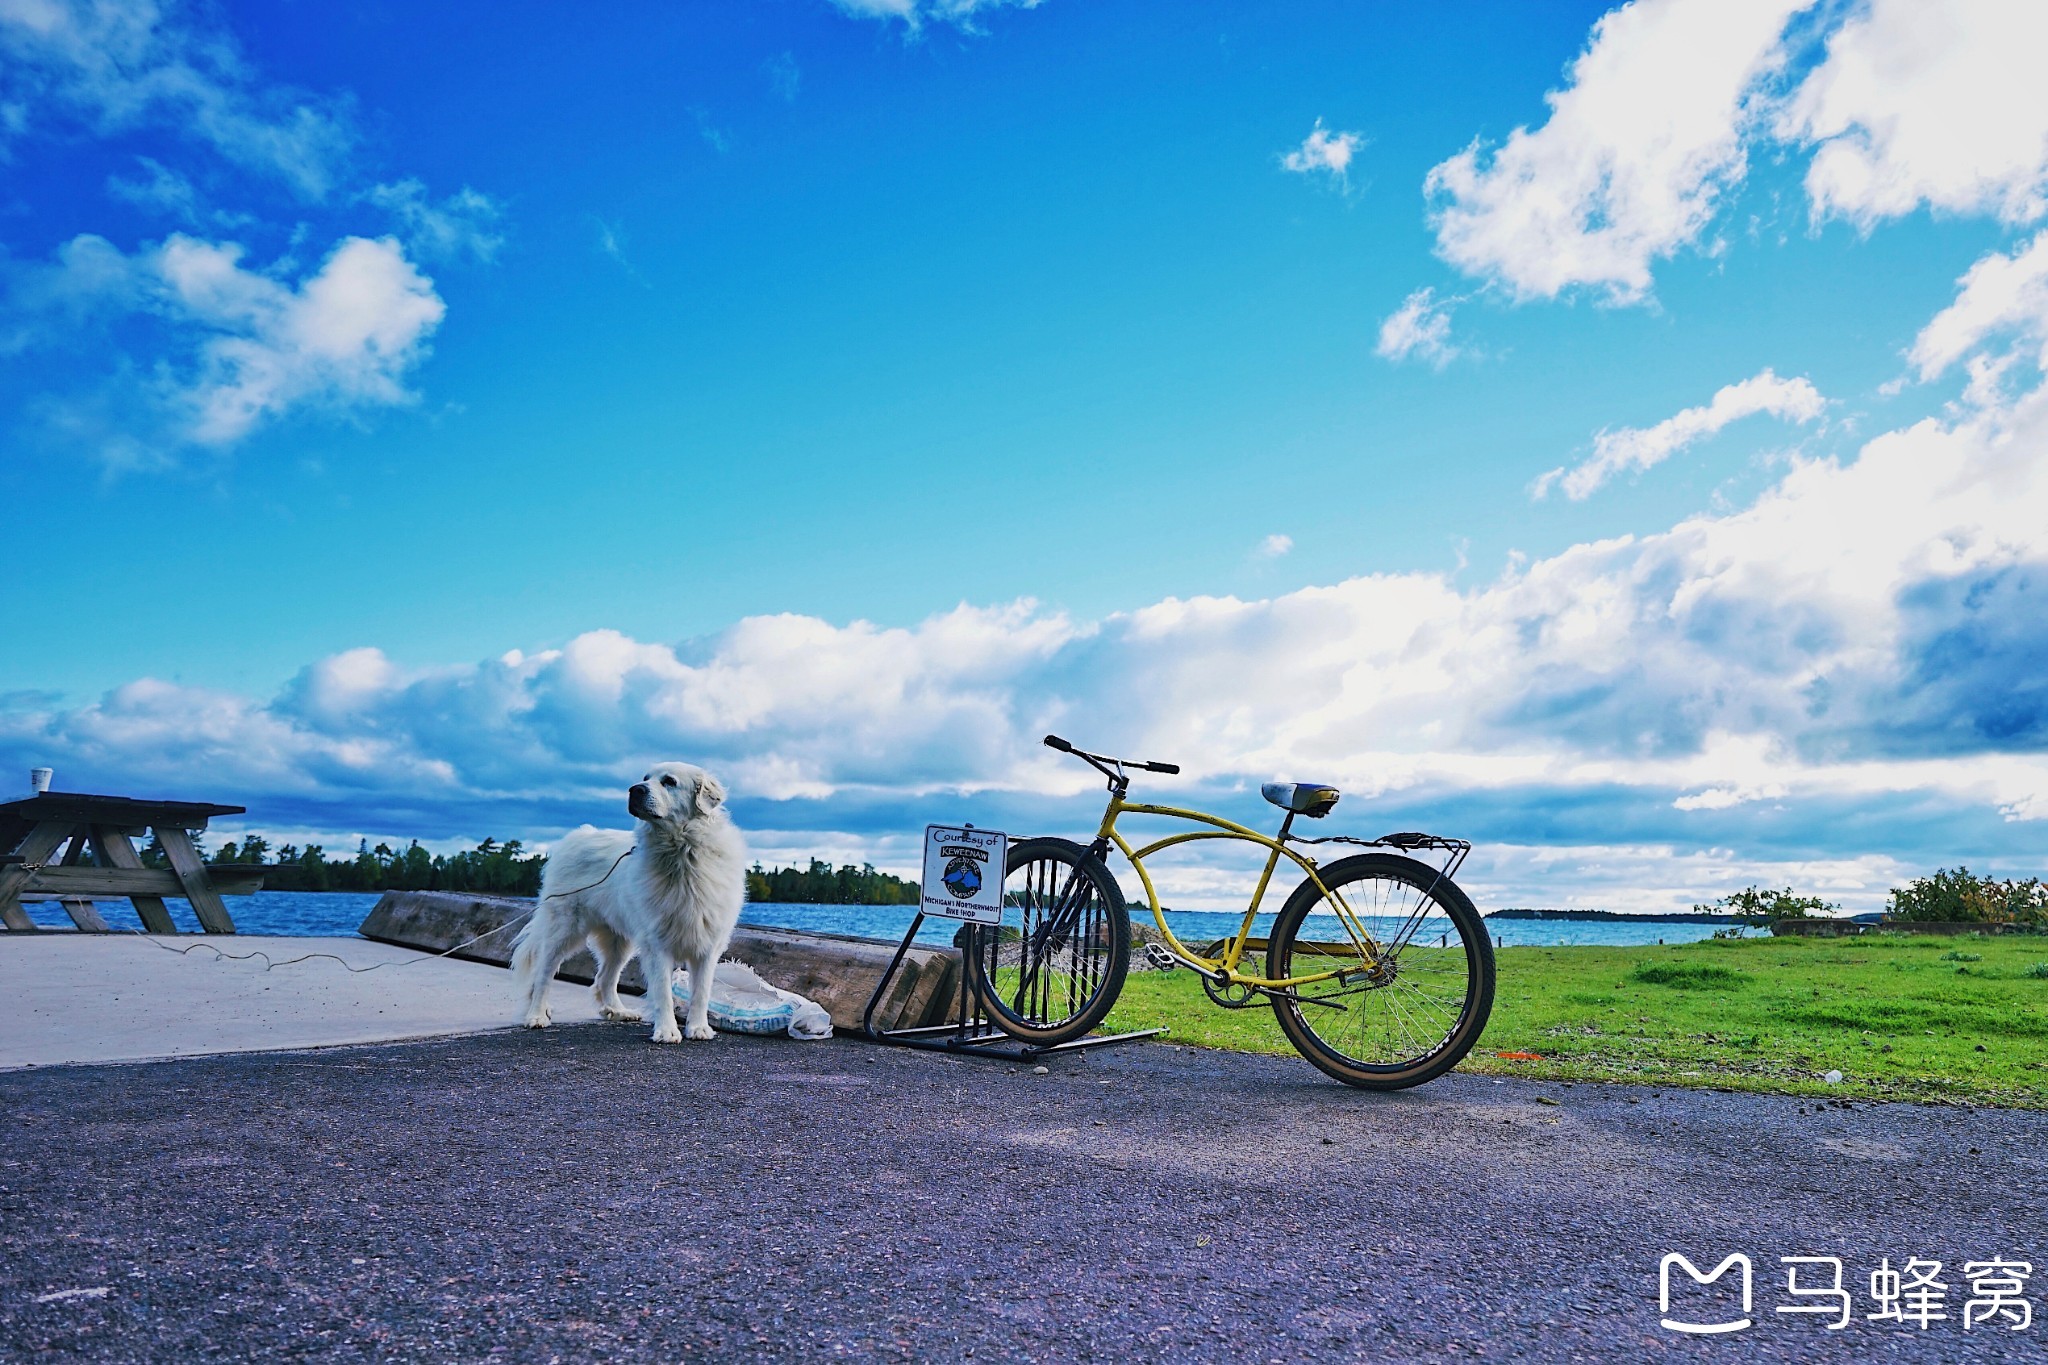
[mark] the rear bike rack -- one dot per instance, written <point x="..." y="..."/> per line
<point x="970" y="1033"/>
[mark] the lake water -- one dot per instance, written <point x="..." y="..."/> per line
<point x="338" y="913"/>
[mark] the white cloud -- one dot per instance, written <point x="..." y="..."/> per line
<point x="115" y="65"/>
<point x="1632" y="448"/>
<point x="215" y="347"/>
<point x="916" y="13"/>
<point x="1324" y="152"/>
<point x="1638" y="151"/>
<point x="159" y="188"/>
<point x="1998" y="295"/>
<point x="1420" y="327"/>
<point x="343" y="338"/>
<point x="785" y="77"/>
<point x="245" y="346"/>
<point x="1722" y="798"/>
<point x="462" y="224"/>
<point x="1862" y="640"/>
<point x="1938" y="104"/>
<point x="1274" y="546"/>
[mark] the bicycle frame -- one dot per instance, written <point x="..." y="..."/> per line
<point x="1224" y="969"/>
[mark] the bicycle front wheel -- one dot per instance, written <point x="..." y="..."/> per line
<point x="1054" y="967"/>
<point x="1407" y="1005"/>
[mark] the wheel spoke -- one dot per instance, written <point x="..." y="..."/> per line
<point x="1062" y="969"/>
<point x="1411" y="1000"/>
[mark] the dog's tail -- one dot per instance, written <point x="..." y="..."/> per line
<point x="526" y="944"/>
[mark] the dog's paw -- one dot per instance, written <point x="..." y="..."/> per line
<point x="541" y="1020"/>
<point x="619" y="1014"/>
<point x="666" y="1033"/>
<point x="700" y="1033"/>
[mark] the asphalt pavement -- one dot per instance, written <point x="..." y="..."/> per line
<point x="581" y="1195"/>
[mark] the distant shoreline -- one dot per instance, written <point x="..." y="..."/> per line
<point x="1619" y="916"/>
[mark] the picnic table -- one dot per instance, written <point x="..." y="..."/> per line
<point x="75" y="848"/>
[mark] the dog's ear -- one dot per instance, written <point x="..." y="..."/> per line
<point x="710" y="794"/>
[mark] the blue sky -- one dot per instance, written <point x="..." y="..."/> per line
<point x="1615" y="437"/>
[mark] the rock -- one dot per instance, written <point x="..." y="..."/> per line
<point x="1833" y="1078"/>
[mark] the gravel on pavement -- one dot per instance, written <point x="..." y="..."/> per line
<point x="581" y="1195"/>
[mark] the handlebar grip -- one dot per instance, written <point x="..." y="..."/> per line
<point x="1055" y="742"/>
<point x="1162" y="767"/>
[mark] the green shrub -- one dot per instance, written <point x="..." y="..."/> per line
<point x="2039" y="971"/>
<point x="1688" y="976"/>
<point x="1953" y="956"/>
<point x="1961" y="896"/>
<point x="1759" y="905"/>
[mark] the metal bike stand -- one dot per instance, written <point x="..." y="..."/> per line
<point x="970" y="1034"/>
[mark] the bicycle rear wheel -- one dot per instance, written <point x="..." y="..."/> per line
<point x="1056" y="964"/>
<point x="1404" y="1011"/>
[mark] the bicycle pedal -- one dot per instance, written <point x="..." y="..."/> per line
<point x="1160" y="958"/>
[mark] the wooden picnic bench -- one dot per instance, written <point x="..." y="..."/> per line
<point x="76" y="848"/>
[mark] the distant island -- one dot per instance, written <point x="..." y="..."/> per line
<point x="1620" y="916"/>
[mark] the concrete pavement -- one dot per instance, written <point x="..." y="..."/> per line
<point x="70" y="998"/>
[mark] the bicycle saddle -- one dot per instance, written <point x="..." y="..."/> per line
<point x="1303" y="798"/>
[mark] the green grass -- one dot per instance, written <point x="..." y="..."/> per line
<point x="1900" y="1018"/>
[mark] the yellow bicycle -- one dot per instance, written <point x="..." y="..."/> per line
<point x="1379" y="968"/>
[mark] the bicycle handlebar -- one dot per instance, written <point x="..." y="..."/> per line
<point x="1055" y="742"/>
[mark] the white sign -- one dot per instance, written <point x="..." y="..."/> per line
<point x="963" y="873"/>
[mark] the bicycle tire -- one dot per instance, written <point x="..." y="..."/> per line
<point x="1377" y="1041"/>
<point x="1048" y="988"/>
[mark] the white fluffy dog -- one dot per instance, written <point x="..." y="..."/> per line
<point x="669" y="891"/>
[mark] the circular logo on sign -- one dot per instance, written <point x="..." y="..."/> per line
<point x="962" y="879"/>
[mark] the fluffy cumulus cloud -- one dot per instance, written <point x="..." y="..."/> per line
<point x="116" y="65"/>
<point x="1632" y="163"/>
<point x="1859" y="649"/>
<point x="915" y="14"/>
<point x="248" y="346"/>
<point x="1639" y="448"/>
<point x="1419" y="328"/>
<point x="140" y="351"/>
<point x="1897" y="105"/>
<point x="1323" y="152"/>
<point x="2001" y="296"/>
<point x="1934" y="104"/>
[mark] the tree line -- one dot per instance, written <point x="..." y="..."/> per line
<point x="491" y="868"/>
<point x="507" y="869"/>
<point x="823" y="884"/>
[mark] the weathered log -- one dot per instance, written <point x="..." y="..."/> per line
<point x="838" y="971"/>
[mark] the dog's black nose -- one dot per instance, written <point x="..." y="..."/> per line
<point x="638" y="789"/>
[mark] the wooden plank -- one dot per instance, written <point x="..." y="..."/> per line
<point x="86" y="916"/>
<point x="83" y="912"/>
<point x="40" y="843"/>
<point x="199" y="889"/>
<point x="81" y="808"/>
<point x="110" y="845"/>
<point x="56" y="882"/>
